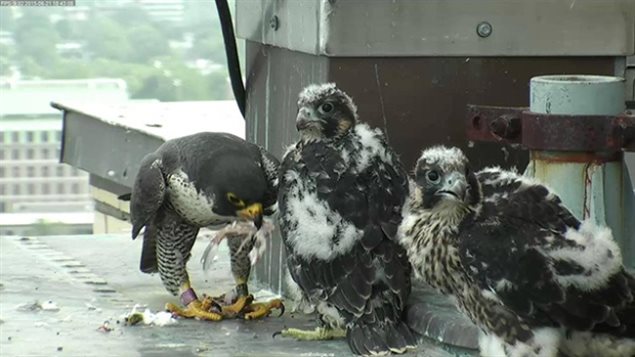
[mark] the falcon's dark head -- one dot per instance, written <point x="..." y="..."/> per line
<point x="325" y="112"/>
<point x="444" y="180"/>
<point x="239" y="188"/>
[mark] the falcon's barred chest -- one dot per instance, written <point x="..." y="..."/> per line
<point x="430" y="242"/>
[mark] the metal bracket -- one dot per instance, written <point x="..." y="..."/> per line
<point x="535" y="131"/>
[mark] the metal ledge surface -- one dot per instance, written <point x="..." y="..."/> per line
<point x="441" y="27"/>
<point x="110" y="140"/>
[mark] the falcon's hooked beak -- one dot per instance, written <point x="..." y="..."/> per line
<point x="306" y="119"/>
<point x="454" y="186"/>
<point x="253" y="213"/>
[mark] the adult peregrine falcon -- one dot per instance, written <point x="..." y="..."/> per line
<point x="340" y="198"/>
<point x="535" y="279"/>
<point x="192" y="182"/>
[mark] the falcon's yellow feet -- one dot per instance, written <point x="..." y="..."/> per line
<point x="319" y="334"/>
<point x="258" y="310"/>
<point x="195" y="309"/>
<point x="237" y="307"/>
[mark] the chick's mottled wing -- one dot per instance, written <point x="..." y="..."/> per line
<point x="270" y="166"/>
<point x="520" y="198"/>
<point x="371" y="201"/>
<point x="541" y="263"/>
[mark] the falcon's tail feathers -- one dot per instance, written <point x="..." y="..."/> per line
<point x="149" y="250"/>
<point x="380" y="338"/>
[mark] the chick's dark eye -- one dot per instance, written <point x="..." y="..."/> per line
<point x="326" y="108"/>
<point x="433" y="176"/>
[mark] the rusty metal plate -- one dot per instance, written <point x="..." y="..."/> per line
<point x="570" y="133"/>
<point x="536" y="131"/>
<point x="486" y="123"/>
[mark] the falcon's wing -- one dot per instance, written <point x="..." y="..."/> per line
<point x="148" y="193"/>
<point x="539" y="261"/>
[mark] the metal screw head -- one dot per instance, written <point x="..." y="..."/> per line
<point x="274" y="22"/>
<point x="484" y="29"/>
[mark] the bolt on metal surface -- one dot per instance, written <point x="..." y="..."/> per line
<point x="484" y="29"/>
<point x="274" y="22"/>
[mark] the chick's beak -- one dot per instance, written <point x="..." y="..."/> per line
<point x="306" y="118"/>
<point x="454" y="186"/>
<point x="252" y="212"/>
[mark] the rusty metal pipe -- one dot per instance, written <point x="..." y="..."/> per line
<point x="594" y="184"/>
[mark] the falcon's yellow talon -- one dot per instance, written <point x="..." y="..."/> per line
<point x="207" y="303"/>
<point x="260" y="310"/>
<point x="236" y="308"/>
<point x="318" y="334"/>
<point x="194" y="310"/>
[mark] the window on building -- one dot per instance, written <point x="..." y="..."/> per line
<point x="30" y="171"/>
<point x="15" y="137"/>
<point x="45" y="171"/>
<point x="46" y="189"/>
<point x="2" y="172"/>
<point x="30" y="189"/>
<point x="59" y="170"/>
<point x="45" y="136"/>
<point x="75" y="188"/>
<point x="58" y="136"/>
<point x="1" y="138"/>
<point x="17" y="189"/>
<point x="1" y="154"/>
<point x="61" y="188"/>
<point x="15" y="172"/>
<point x="45" y="153"/>
<point x="15" y="154"/>
<point x="3" y="190"/>
<point x="30" y="154"/>
<point x="30" y="136"/>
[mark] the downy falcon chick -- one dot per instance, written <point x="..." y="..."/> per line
<point x="340" y="198"/>
<point x="192" y="182"/>
<point x="535" y="279"/>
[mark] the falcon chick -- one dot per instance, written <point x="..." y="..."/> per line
<point x="535" y="279"/>
<point x="340" y="198"/>
<point x="193" y="182"/>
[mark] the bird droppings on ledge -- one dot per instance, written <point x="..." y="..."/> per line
<point x="141" y="314"/>
<point x="37" y="306"/>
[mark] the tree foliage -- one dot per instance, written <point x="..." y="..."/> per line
<point x="123" y="43"/>
<point x="147" y="42"/>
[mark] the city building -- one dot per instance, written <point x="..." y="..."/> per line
<point x="32" y="179"/>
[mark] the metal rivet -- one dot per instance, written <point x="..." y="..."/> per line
<point x="484" y="29"/>
<point x="274" y="23"/>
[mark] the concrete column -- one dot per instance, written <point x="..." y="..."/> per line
<point x="590" y="185"/>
